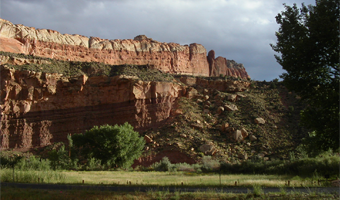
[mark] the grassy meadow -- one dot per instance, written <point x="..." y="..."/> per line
<point x="185" y="178"/>
<point x="153" y="178"/>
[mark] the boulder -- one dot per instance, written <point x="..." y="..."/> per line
<point x="244" y="132"/>
<point x="148" y="139"/>
<point x="230" y="107"/>
<point x="197" y="126"/>
<point x="177" y="112"/>
<point x="231" y="97"/>
<point x="241" y="95"/>
<point x="252" y="137"/>
<point x="205" y="91"/>
<point x="238" y="136"/>
<point x="260" y="120"/>
<point x="178" y="144"/>
<point x="191" y="92"/>
<point x="220" y="110"/>
<point x="207" y="149"/>
<point x="224" y="126"/>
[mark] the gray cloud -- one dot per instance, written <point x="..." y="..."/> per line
<point x="240" y="30"/>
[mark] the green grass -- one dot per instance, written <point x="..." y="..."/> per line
<point x="32" y="176"/>
<point x="12" y="193"/>
<point x="154" y="178"/>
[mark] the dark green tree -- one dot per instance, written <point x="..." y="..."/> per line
<point x="113" y="145"/>
<point x="308" y="47"/>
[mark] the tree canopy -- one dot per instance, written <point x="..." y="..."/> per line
<point x="112" y="145"/>
<point x="308" y="47"/>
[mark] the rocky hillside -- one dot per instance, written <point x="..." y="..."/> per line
<point x="249" y="120"/>
<point x="181" y="117"/>
<point x="168" y="57"/>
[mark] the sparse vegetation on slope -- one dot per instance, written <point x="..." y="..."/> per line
<point x="76" y="68"/>
<point x="200" y="123"/>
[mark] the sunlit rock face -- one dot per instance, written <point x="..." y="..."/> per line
<point x="169" y="57"/>
<point x="38" y="109"/>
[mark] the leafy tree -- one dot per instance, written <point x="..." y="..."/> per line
<point x="113" y="145"/>
<point x="308" y="47"/>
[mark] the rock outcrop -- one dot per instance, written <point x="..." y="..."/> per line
<point x="169" y="57"/>
<point x="38" y="109"/>
<point x="221" y="66"/>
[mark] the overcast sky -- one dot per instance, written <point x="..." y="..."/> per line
<point x="239" y="30"/>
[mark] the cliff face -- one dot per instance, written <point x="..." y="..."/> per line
<point x="38" y="109"/>
<point x="169" y="57"/>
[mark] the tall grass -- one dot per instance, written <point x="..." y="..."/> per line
<point x="31" y="176"/>
<point x="29" y="170"/>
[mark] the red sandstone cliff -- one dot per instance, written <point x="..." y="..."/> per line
<point x="38" y="109"/>
<point x="169" y="57"/>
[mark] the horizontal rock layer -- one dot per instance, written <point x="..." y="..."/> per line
<point x="38" y="109"/>
<point x="169" y="57"/>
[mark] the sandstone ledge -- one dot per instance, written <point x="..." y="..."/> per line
<point x="169" y="57"/>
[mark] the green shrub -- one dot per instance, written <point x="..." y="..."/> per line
<point x="208" y="164"/>
<point x="33" y="163"/>
<point x="114" y="146"/>
<point x="187" y="167"/>
<point x="163" y="165"/>
<point x="59" y="159"/>
<point x="93" y="164"/>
